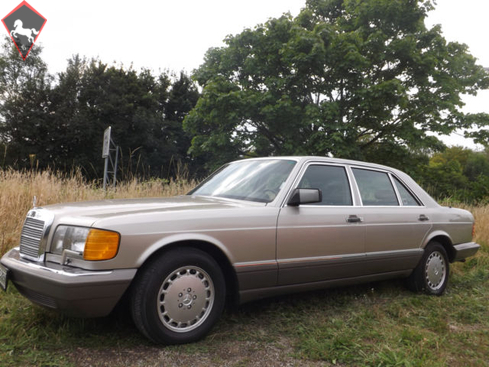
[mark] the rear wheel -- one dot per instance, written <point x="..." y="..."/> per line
<point x="178" y="296"/>
<point x="431" y="274"/>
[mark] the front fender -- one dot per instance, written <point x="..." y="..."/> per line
<point x="182" y="237"/>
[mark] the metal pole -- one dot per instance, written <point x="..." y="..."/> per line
<point x="115" y="166"/>
<point x="105" y="171"/>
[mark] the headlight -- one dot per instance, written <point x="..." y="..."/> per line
<point x="69" y="238"/>
<point x="92" y="244"/>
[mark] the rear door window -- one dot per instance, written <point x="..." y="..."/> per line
<point x="375" y="188"/>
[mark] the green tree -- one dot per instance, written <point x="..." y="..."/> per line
<point x="25" y="87"/>
<point x="458" y="173"/>
<point x="58" y="122"/>
<point x="144" y="111"/>
<point x="122" y="99"/>
<point x="176" y="101"/>
<point x="351" y="78"/>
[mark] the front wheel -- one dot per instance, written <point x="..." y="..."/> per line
<point x="178" y="296"/>
<point x="431" y="274"/>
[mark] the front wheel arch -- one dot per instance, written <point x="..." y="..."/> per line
<point x="230" y="277"/>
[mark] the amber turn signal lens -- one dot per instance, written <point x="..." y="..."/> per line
<point x="101" y="245"/>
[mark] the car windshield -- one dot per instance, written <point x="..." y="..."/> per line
<point x="253" y="180"/>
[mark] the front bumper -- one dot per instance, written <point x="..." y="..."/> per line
<point x="464" y="250"/>
<point x="75" y="292"/>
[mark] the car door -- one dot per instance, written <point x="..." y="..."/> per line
<point x="396" y="222"/>
<point x="322" y="241"/>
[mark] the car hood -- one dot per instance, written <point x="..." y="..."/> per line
<point x="88" y="212"/>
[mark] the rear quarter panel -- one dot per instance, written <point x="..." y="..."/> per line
<point x="454" y="223"/>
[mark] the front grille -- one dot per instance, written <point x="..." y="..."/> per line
<point x="31" y="236"/>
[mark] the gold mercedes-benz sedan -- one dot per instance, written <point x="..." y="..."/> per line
<point x="255" y="228"/>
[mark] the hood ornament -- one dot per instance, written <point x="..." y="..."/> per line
<point x="34" y="202"/>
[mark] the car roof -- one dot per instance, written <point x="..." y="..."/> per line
<point x="301" y="159"/>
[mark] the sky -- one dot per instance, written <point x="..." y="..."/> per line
<point x="174" y="35"/>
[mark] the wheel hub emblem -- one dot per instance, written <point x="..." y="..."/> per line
<point x="187" y="300"/>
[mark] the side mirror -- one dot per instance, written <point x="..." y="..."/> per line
<point x="305" y="196"/>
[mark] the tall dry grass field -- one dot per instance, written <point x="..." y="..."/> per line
<point x="481" y="214"/>
<point x="17" y="190"/>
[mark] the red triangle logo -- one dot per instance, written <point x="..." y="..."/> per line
<point x="24" y="25"/>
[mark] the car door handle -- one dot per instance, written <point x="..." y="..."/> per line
<point x="353" y="219"/>
<point x="423" y="218"/>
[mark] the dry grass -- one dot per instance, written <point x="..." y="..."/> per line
<point x="481" y="215"/>
<point x="481" y="236"/>
<point x="17" y="190"/>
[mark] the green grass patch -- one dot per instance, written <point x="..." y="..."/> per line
<point x="377" y="324"/>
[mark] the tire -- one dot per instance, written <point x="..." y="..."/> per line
<point x="431" y="274"/>
<point x="178" y="296"/>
